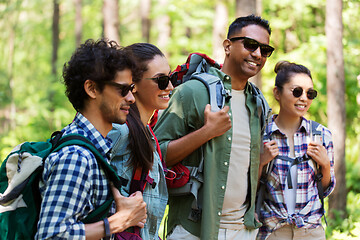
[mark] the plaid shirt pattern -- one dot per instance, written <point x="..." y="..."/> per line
<point x="308" y="211"/>
<point x="72" y="185"/>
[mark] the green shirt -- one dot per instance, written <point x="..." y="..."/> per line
<point x="185" y="114"/>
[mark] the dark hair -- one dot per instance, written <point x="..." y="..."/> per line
<point x="238" y="24"/>
<point x="143" y="54"/>
<point x="98" y="61"/>
<point x="140" y="140"/>
<point x="285" y="70"/>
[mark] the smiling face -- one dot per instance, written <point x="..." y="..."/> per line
<point x="147" y="93"/>
<point x="291" y="106"/>
<point x="243" y="62"/>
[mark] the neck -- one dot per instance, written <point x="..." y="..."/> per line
<point x="288" y="124"/>
<point x="94" y="117"/>
<point x="145" y="114"/>
<point x="238" y="81"/>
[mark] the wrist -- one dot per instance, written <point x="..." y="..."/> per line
<point x="107" y="229"/>
<point x="206" y="132"/>
<point x="115" y="225"/>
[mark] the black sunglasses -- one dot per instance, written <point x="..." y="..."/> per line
<point x="163" y="81"/>
<point x="123" y="89"/>
<point x="251" y="45"/>
<point x="298" y="91"/>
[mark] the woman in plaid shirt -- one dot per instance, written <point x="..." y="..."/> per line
<point x="291" y="207"/>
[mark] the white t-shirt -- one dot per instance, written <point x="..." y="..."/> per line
<point x="234" y="206"/>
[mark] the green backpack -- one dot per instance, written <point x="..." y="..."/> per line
<point x="20" y="173"/>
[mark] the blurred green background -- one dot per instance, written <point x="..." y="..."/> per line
<point x="33" y="50"/>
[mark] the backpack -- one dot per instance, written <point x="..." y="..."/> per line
<point x="314" y="132"/>
<point x="196" y="67"/>
<point x="20" y="174"/>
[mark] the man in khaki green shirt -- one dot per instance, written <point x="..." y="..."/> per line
<point x="230" y="140"/>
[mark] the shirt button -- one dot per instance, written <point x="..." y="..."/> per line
<point x="230" y="114"/>
<point x="219" y="213"/>
<point x="229" y="138"/>
<point x="225" y="163"/>
<point x="223" y="187"/>
<point x="227" y="77"/>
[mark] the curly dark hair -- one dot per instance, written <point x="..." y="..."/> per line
<point x="98" y="61"/>
<point x="238" y="24"/>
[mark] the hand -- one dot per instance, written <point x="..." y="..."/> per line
<point x="130" y="211"/>
<point x="271" y="150"/>
<point x="319" y="154"/>
<point x="217" y="123"/>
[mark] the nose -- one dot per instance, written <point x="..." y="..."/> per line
<point x="169" y="87"/>
<point x="303" y="96"/>
<point x="130" y="97"/>
<point x="257" y="53"/>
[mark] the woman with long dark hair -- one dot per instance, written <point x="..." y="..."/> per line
<point x="134" y="150"/>
<point x="299" y="157"/>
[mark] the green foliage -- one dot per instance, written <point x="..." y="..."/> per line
<point x="298" y="34"/>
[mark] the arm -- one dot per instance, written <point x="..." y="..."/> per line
<point x="215" y="124"/>
<point x="66" y="199"/>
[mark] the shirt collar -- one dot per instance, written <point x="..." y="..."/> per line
<point x="102" y="144"/>
<point x="304" y="126"/>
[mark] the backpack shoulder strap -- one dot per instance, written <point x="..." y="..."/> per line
<point x="215" y="89"/>
<point x="80" y="140"/>
<point x="76" y="139"/>
<point x="264" y="110"/>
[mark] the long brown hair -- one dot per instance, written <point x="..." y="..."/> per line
<point x="140" y="140"/>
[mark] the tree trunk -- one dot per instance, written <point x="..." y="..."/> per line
<point x="145" y="8"/>
<point x="78" y="22"/>
<point x="219" y="34"/>
<point x="163" y="24"/>
<point x="247" y="7"/>
<point x="55" y="37"/>
<point x="244" y="8"/>
<point x="54" y="56"/>
<point x="336" y="101"/>
<point x="111" y="20"/>
<point x="12" y="117"/>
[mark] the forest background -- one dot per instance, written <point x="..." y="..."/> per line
<point x="38" y="36"/>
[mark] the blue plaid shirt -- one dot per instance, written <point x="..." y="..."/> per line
<point x="72" y="185"/>
<point x="156" y="198"/>
<point x="308" y="210"/>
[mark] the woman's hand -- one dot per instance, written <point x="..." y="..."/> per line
<point x="318" y="153"/>
<point x="271" y="150"/>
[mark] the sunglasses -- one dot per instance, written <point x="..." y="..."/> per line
<point x="298" y="91"/>
<point x="163" y="81"/>
<point x="123" y="89"/>
<point x="251" y="45"/>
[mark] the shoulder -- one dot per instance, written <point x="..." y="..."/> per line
<point x="71" y="155"/>
<point x="119" y="131"/>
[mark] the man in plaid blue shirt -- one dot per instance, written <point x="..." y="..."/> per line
<point x="98" y="80"/>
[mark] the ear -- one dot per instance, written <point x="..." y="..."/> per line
<point x="135" y="88"/>
<point x="276" y="93"/>
<point x="227" y="45"/>
<point x="90" y="88"/>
